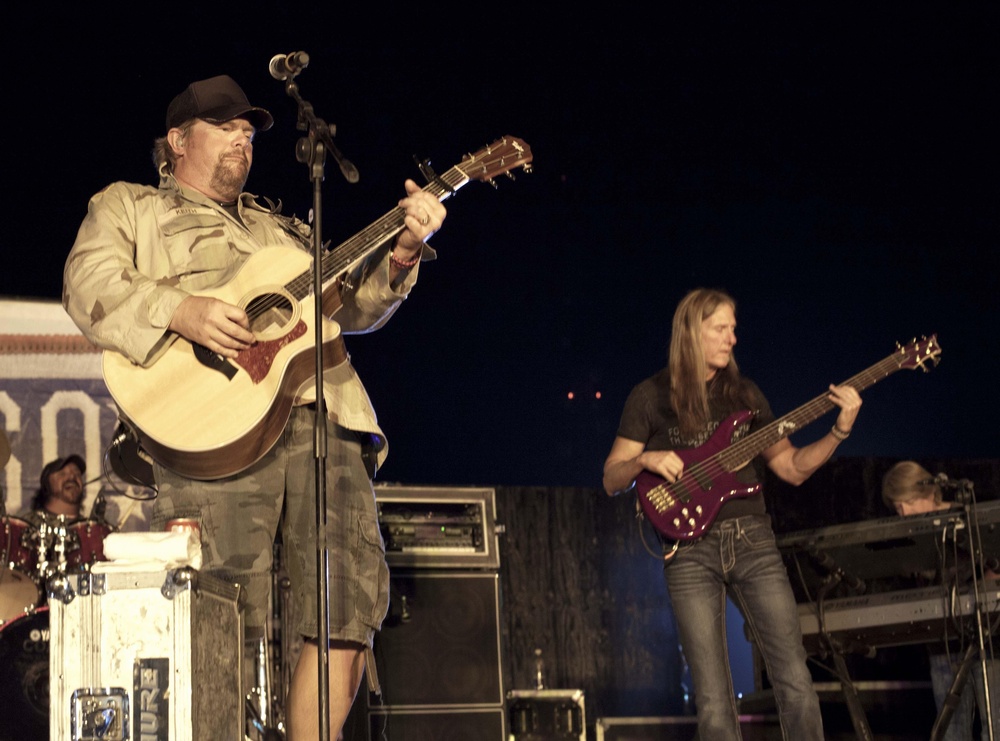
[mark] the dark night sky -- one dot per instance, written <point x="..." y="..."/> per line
<point x="831" y="168"/>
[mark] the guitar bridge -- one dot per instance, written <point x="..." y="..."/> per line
<point x="214" y="361"/>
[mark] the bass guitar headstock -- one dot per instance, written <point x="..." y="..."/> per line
<point x="924" y="354"/>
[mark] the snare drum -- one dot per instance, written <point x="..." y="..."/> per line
<point x="85" y="544"/>
<point x="24" y="677"/>
<point x="19" y="589"/>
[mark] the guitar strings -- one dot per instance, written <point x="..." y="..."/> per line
<point x="384" y="228"/>
<point x="341" y="257"/>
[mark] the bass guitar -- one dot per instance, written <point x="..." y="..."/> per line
<point x="206" y="417"/>
<point x="686" y="508"/>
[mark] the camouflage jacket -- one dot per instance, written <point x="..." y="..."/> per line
<point x="141" y="250"/>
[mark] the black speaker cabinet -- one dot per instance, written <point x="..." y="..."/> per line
<point x="440" y="643"/>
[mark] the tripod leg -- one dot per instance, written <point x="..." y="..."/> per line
<point x="954" y="694"/>
<point x="854" y="707"/>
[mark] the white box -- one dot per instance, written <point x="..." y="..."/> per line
<point x="145" y="656"/>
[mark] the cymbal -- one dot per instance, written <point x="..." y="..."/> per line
<point x="4" y="450"/>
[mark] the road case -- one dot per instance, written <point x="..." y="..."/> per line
<point x="145" y="656"/>
<point x="547" y="715"/>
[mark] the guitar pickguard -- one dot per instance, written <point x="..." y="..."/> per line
<point x="258" y="359"/>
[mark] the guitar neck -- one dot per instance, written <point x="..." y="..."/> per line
<point x="748" y="447"/>
<point x="498" y="158"/>
<point x="349" y="253"/>
<point x="352" y="251"/>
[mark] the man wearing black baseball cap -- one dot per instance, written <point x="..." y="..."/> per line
<point x="216" y="100"/>
<point x="141" y="275"/>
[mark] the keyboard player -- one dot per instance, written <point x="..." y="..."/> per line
<point x="909" y="489"/>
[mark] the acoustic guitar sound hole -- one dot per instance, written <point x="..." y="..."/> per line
<point x="271" y="314"/>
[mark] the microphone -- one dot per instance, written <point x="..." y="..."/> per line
<point x="97" y="512"/>
<point x="941" y="480"/>
<point x="283" y="66"/>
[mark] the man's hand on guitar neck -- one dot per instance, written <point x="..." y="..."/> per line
<point x="221" y="327"/>
<point x="849" y="400"/>
<point x="423" y="215"/>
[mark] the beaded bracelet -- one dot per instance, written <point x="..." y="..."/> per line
<point x="403" y="264"/>
<point x="839" y="433"/>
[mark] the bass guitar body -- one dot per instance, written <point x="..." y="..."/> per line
<point x="685" y="509"/>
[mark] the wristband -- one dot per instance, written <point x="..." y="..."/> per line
<point x="839" y="433"/>
<point x="403" y="264"/>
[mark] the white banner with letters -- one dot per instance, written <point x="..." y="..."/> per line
<point x="53" y="402"/>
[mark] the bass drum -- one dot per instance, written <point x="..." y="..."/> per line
<point x="24" y="678"/>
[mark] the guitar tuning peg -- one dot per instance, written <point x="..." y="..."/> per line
<point x="491" y="181"/>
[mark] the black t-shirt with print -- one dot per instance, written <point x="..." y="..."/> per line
<point x="649" y="418"/>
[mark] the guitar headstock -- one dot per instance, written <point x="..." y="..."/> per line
<point x="924" y="354"/>
<point x="497" y="158"/>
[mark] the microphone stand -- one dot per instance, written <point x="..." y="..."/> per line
<point x="966" y="496"/>
<point x="982" y="648"/>
<point x="311" y="150"/>
<point x="853" y="701"/>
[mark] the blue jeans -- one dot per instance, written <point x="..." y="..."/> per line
<point x="942" y="675"/>
<point x="738" y="557"/>
<point x="973" y="695"/>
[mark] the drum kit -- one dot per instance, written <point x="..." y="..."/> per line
<point x="39" y="552"/>
<point x="32" y="556"/>
<point x="33" y="551"/>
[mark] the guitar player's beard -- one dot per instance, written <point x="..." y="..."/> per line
<point x="230" y="175"/>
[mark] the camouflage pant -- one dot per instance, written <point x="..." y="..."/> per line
<point x="240" y="515"/>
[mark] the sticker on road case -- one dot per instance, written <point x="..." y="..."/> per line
<point x="151" y="719"/>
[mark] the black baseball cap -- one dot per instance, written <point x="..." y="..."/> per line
<point x="216" y="100"/>
<point x="58" y="464"/>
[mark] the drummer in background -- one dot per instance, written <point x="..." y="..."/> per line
<point x="61" y="491"/>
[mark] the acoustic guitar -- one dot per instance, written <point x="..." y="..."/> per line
<point x="207" y="417"/>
